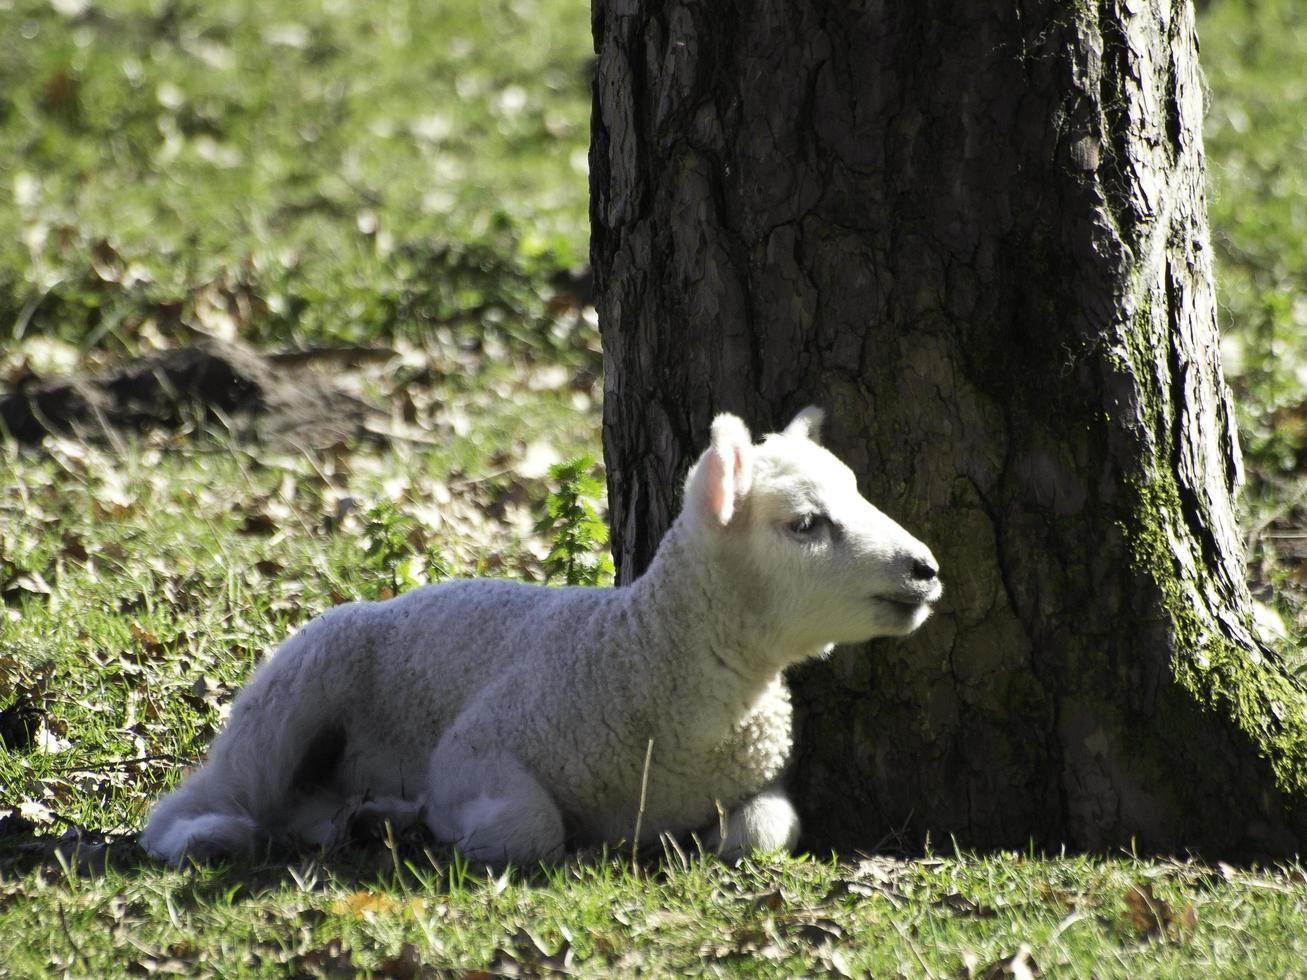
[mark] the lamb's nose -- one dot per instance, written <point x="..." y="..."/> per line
<point x="924" y="571"/>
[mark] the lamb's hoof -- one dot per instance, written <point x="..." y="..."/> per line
<point x="207" y="839"/>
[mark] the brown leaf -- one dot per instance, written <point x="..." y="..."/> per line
<point x="817" y="932"/>
<point x="364" y="903"/>
<point x="106" y="262"/>
<point x="330" y="961"/>
<point x="204" y="689"/>
<point x="259" y="522"/>
<point x="73" y="547"/>
<point x="851" y="886"/>
<point x="360" y="903"/>
<point x="47" y="738"/>
<point x="965" y="906"/>
<point x="1153" y="917"/>
<point x="407" y="965"/>
<point x="59" y="94"/>
<point x="146" y="640"/>
<point x="1056" y="896"/>
<point x="772" y="901"/>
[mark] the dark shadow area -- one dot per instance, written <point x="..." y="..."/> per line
<point x="252" y="395"/>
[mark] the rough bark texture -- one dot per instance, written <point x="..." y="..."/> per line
<point x="977" y="234"/>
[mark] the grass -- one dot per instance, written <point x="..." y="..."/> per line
<point x="1256" y="133"/>
<point x="878" y="917"/>
<point x="411" y="176"/>
<point x="349" y="171"/>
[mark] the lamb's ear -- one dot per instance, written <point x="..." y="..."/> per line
<point x="807" y="424"/>
<point x="724" y="473"/>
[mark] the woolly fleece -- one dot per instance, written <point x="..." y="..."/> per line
<point x="515" y="719"/>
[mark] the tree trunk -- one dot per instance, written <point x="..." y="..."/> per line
<point x="976" y="233"/>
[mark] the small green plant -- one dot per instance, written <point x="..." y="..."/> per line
<point x="395" y="549"/>
<point x="578" y="555"/>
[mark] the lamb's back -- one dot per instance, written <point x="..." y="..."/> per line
<point x="437" y="647"/>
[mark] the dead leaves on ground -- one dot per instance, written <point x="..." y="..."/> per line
<point x="1152" y="917"/>
<point x="1020" y="965"/>
<point x="369" y="904"/>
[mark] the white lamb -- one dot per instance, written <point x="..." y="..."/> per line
<point x="515" y="719"/>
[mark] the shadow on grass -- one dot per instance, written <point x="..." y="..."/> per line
<point x="375" y="857"/>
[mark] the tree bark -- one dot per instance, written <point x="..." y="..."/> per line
<point x="976" y="233"/>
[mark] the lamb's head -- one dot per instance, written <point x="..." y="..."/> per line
<point x="815" y="558"/>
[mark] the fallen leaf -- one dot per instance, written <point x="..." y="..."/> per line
<point x="73" y="547"/>
<point x="407" y="965"/>
<point x="106" y="263"/>
<point x="1020" y="965"/>
<point x="330" y="961"/>
<point x="1153" y="917"/>
<point x="965" y="906"/>
<point x="31" y="583"/>
<point x="205" y="691"/>
<point x="147" y="640"/>
<point x="837" y="963"/>
<point x="361" y="904"/>
<point x="35" y="813"/>
<point x="816" y="932"/>
<point x="48" y="741"/>
<point x="851" y="886"/>
<point x="1057" y="896"/>
<point x="772" y="901"/>
<point x="151" y="966"/>
<point x="258" y="522"/>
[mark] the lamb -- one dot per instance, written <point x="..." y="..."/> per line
<point x="515" y="719"/>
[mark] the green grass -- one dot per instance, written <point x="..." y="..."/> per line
<point x="345" y="170"/>
<point x="411" y="175"/>
<point x="597" y="917"/>
<point x="1256" y="137"/>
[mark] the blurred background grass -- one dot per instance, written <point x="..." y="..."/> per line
<point x="348" y="170"/>
<point x="1253" y="52"/>
<point x="327" y="171"/>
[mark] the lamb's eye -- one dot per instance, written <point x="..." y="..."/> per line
<point x="806" y="525"/>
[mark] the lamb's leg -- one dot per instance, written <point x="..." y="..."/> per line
<point x="330" y="821"/>
<point x="200" y="823"/>
<point x="489" y="806"/>
<point x="766" y="822"/>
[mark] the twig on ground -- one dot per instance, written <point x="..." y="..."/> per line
<point x="122" y="763"/>
<point x="63" y="924"/>
<point x="921" y="960"/>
